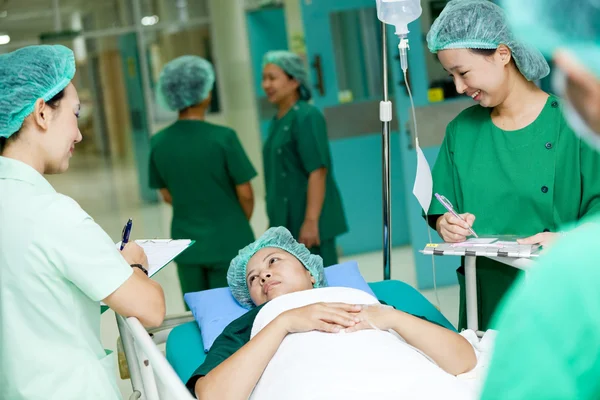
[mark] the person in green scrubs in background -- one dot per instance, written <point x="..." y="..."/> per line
<point x="202" y="170"/>
<point x="302" y="194"/>
<point x="548" y="343"/>
<point x="512" y="161"/>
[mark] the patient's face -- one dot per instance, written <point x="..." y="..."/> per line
<point x="274" y="272"/>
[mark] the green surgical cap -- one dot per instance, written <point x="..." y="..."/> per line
<point x="292" y="65"/>
<point x="480" y="24"/>
<point x="184" y="82"/>
<point x="279" y="238"/>
<point x="29" y="74"/>
<point x="552" y="24"/>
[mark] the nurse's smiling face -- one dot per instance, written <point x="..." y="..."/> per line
<point x="62" y="133"/>
<point x="273" y="272"/>
<point x="278" y="86"/>
<point x="484" y="78"/>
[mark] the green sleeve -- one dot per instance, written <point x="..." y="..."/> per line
<point x="155" y="180"/>
<point x="590" y="168"/>
<point x="313" y="144"/>
<point x="548" y="343"/>
<point x="443" y="174"/>
<point x="233" y="338"/>
<point x="238" y="165"/>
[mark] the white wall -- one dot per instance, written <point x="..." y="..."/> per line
<point x="234" y="69"/>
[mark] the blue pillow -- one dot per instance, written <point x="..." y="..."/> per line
<point x="214" y="309"/>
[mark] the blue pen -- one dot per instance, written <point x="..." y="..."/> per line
<point x="126" y="233"/>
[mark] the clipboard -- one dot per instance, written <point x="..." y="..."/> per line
<point x="161" y="252"/>
<point x="502" y="246"/>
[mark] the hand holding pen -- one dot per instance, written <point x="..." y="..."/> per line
<point x="132" y="252"/>
<point x="454" y="227"/>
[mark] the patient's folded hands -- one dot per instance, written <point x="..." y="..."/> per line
<point x="324" y="317"/>
<point x="374" y="316"/>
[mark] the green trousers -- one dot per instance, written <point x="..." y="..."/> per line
<point x="198" y="277"/>
<point x="327" y="251"/>
<point x="493" y="281"/>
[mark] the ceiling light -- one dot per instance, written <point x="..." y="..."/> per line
<point x="150" y="20"/>
<point x="4" y="39"/>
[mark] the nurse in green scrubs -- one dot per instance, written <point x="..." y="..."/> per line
<point x="302" y="194"/>
<point x="202" y="170"/>
<point x="511" y="161"/>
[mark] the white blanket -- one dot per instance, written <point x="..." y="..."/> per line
<point x="368" y="364"/>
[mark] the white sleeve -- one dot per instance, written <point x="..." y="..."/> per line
<point x="84" y="253"/>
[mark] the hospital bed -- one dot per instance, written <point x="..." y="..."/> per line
<point x="156" y="377"/>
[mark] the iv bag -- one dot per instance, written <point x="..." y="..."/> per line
<point x="399" y="13"/>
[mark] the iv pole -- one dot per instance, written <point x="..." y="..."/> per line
<point x="385" y="115"/>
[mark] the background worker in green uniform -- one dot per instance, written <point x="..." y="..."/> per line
<point x="203" y="171"/>
<point x="302" y="194"/>
<point x="548" y="344"/>
<point x="511" y="161"/>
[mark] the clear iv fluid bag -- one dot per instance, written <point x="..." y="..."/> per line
<point x="399" y="13"/>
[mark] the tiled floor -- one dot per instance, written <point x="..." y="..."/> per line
<point x="109" y="194"/>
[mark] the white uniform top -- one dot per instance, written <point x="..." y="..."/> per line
<point x="56" y="264"/>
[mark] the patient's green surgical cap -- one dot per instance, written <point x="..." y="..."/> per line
<point x="551" y="24"/>
<point x="293" y="65"/>
<point x="279" y="238"/>
<point x="29" y="74"/>
<point x="480" y="24"/>
<point x="184" y="82"/>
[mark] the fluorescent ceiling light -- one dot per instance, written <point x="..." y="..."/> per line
<point x="150" y="20"/>
<point x="4" y="39"/>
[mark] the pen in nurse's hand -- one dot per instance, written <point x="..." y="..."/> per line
<point x="126" y="233"/>
<point x="448" y="206"/>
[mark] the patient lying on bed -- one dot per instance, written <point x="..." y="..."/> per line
<point x="302" y="340"/>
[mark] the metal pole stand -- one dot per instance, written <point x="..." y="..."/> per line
<point x="385" y="116"/>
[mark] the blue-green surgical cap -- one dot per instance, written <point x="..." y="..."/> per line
<point x="29" y="74"/>
<point x="279" y="238"/>
<point x="480" y="24"/>
<point x="184" y="82"/>
<point x="293" y="65"/>
<point x="552" y="24"/>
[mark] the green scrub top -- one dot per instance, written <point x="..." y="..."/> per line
<point x="200" y="164"/>
<point x="56" y="264"/>
<point x="548" y="343"/>
<point x="521" y="182"/>
<point x="298" y="145"/>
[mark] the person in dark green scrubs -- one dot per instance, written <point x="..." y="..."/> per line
<point x="302" y="193"/>
<point x="511" y="160"/>
<point x="202" y="170"/>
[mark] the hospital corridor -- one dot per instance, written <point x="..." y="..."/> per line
<point x="296" y="199"/>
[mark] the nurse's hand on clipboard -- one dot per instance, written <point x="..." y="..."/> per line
<point x="544" y="239"/>
<point x="454" y="230"/>
<point x="134" y="254"/>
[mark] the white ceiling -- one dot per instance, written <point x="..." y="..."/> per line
<point x="25" y="20"/>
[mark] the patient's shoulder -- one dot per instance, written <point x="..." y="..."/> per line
<point x="242" y="326"/>
<point x="233" y="338"/>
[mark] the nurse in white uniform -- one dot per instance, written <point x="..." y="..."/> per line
<point x="56" y="263"/>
